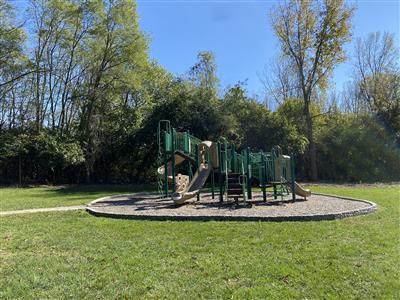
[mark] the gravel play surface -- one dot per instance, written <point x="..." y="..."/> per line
<point x="151" y="206"/>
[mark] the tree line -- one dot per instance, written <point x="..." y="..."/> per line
<point x="81" y="99"/>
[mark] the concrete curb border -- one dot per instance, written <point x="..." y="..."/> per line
<point x="319" y="217"/>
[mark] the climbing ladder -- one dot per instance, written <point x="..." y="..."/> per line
<point x="236" y="186"/>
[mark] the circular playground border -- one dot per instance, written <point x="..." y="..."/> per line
<point x="145" y="206"/>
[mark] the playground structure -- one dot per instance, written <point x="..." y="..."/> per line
<point x="233" y="173"/>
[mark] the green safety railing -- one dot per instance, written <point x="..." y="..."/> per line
<point x="186" y="143"/>
<point x="261" y="167"/>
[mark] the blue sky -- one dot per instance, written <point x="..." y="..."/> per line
<point x="240" y="35"/>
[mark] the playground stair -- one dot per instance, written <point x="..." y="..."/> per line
<point x="235" y="188"/>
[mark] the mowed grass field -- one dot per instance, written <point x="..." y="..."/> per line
<point x="48" y="196"/>
<point x="75" y="255"/>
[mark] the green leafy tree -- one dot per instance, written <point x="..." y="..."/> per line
<point x="12" y="38"/>
<point x="13" y="63"/>
<point x="15" y="147"/>
<point x="357" y="148"/>
<point x="312" y="35"/>
<point x="203" y="74"/>
<point x="257" y="127"/>
<point x="378" y="79"/>
<point x="116" y="52"/>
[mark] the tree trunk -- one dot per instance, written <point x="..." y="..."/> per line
<point x="311" y="147"/>
<point x="88" y="171"/>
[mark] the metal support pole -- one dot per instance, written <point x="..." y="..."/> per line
<point x="173" y="134"/>
<point x="165" y="132"/>
<point x="165" y="173"/>
<point x="189" y="170"/>
<point x="248" y="173"/>
<point x="186" y="142"/>
<point x="263" y="176"/>
<point x="233" y="159"/>
<point x="273" y="174"/>
<point x="292" y="177"/>
<point x="212" y="184"/>
<point x="165" y="165"/>
<point x="197" y="166"/>
<point x="220" y="170"/>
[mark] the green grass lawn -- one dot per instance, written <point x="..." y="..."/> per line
<point x="75" y="255"/>
<point x="38" y="197"/>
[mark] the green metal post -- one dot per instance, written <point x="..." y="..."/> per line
<point x="189" y="169"/>
<point x="273" y="174"/>
<point x="220" y="170"/>
<point x="165" y="166"/>
<point x="173" y="135"/>
<point x="165" y="132"/>
<point x="248" y="173"/>
<point x="233" y="158"/>
<point x="292" y="177"/>
<point x="186" y="142"/>
<point x="275" y="191"/>
<point x="197" y="166"/>
<point x="212" y="184"/>
<point x="165" y="173"/>
<point x="263" y="176"/>
<point x="226" y="167"/>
